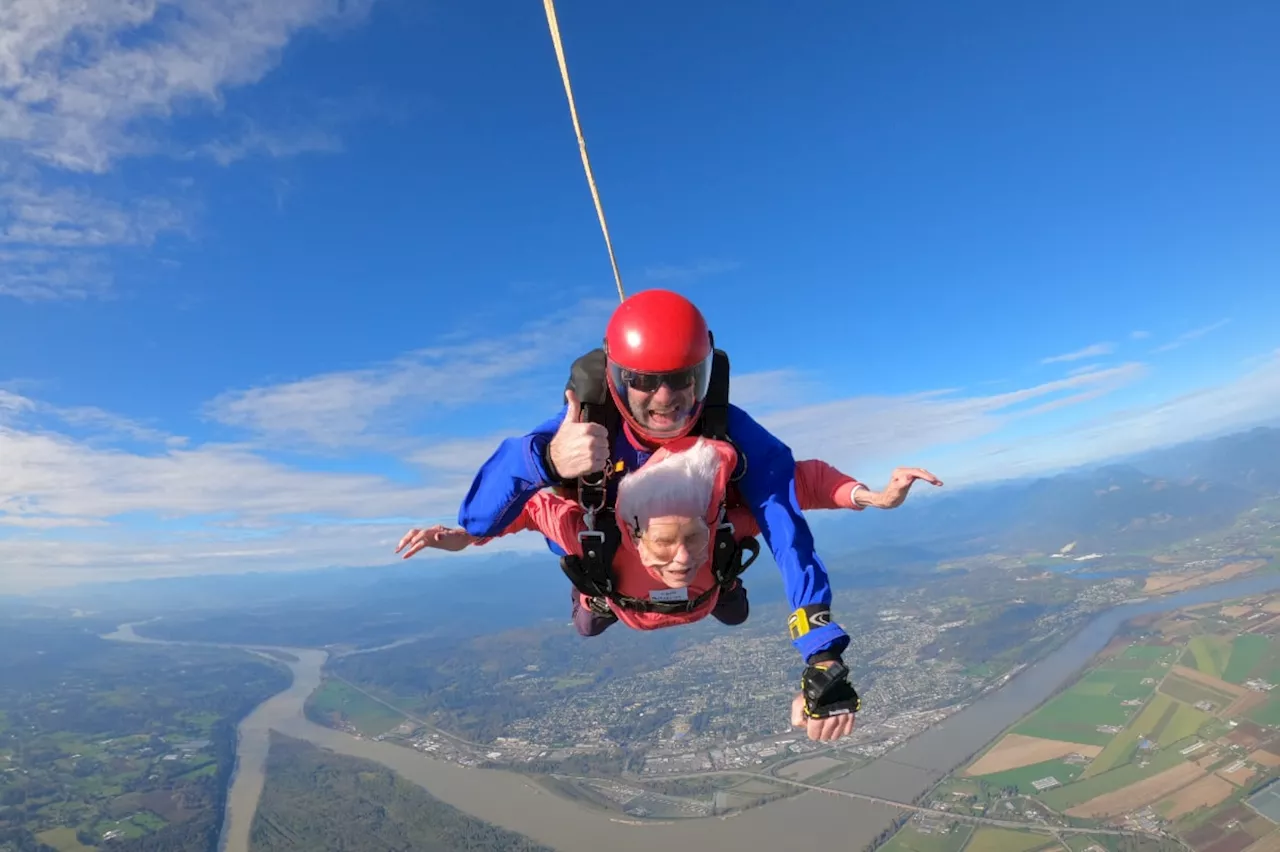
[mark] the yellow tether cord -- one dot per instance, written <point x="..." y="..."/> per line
<point x="582" y="142"/>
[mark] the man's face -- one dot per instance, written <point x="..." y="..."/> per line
<point x="675" y="547"/>
<point x="661" y="412"/>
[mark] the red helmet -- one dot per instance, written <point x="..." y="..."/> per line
<point x="658" y="338"/>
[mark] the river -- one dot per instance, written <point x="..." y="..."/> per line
<point x="514" y="802"/>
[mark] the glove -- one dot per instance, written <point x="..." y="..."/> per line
<point x="827" y="691"/>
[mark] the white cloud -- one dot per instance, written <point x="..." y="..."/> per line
<point x="1248" y="400"/>
<point x="373" y="405"/>
<point x="1186" y="337"/>
<point x="1139" y="335"/>
<point x="81" y="77"/>
<point x="85" y="84"/>
<point x="82" y="507"/>
<point x="1093" y="351"/>
<point x="878" y="432"/>
<point x="462" y="456"/>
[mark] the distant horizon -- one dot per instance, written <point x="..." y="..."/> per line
<point x="531" y="546"/>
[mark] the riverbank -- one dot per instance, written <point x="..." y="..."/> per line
<point x="519" y="804"/>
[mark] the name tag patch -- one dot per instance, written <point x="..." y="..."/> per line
<point x="669" y="595"/>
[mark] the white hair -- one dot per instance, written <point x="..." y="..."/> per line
<point x="680" y="484"/>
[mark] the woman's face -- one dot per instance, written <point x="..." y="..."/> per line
<point x="675" y="548"/>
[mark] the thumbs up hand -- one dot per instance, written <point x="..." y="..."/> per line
<point x="578" y="448"/>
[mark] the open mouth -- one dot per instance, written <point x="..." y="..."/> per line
<point x="664" y="418"/>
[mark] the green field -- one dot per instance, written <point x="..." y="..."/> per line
<point x="1185" y="722"/>
<point x="1269" y="713"/>
<point x="1247" y="653"/>
<point x="1149" y="653"/>
<point x="911" y="839"/>
<point x="1190" y="692"/>
<point x="1122" y="683"/>
<point x="1024" y="775"/>
<point x="1207" y="654"/>
<point x="1075" y="714"/>
<point x="335" y="698"/>
<point x="63" y="839"/>
<point x="1007" y="840"/>
<point x="1061" y="798"/>
<point x="1122" y="747"/>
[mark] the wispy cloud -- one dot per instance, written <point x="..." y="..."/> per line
<point x="1139" y="335"/>
<point x="1095" y="350"/>
<point x="1187" y="337"/>
<point x="687" y="273"/>
<point x="87" y="84"/>
<point x="875" y="431"/>
<point x="85" y="78"/>
<point x="367" y="406"/>
<point x="1247" y="400"/>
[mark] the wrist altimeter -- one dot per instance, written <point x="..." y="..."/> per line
<point x="827" y="691"/>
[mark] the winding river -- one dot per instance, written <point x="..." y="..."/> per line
<point x="514" y="802"/>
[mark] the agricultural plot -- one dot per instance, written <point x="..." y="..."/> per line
<point x="929" y="837"/>
<point x="1185" y="722"/>
<point x="1149" y="653"/>
<point x="1191" y="687"/>
<point x="1016" y="750"/>
<point x="1248" y="654"/>
<point x="1268" y="713"/>
<point x="1205" y="792"/>
<point x="1024" y="777"/>
<point x="1084" y="789"/>
<point x="334" y="700"/>
<point x="1092" y="702"/>
<point x="1231" y="829"/>
<point x="1207" y="654"/>
<point x="1130" y="797"/>
<point x="1008" y="840"/>
<point x="1146" y="726"/>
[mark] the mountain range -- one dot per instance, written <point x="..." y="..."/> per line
<point x="1145" y="501"/>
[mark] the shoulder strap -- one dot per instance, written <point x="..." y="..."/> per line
<point x="715" y="409"/>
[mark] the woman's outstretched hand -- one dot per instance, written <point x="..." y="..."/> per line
<point x="440" y="537"/>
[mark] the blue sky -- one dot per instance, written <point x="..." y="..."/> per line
<point x="276" y="276"/>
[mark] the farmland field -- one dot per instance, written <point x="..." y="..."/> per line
<point x="1016" y="750"/>
<point x="1122" y="747"/>
<point x="1247" y="652"/>
<point x="1134" y="795"/>
<point x="1269" y="713"/>
<point x="1189" y="692"/>
<point x="912" y="839"/>
<point x="1185" y="722"/>
<point x="1062" y="798"/>
<point x="1007" y="840"/>
<point x="1096" y="699"/>
<point x="1207" y="654"/>
<point x="336" y="700"/>
<point x="1023" y="776"/>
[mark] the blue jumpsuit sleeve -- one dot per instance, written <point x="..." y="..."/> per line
<point x="768" y="488"/>
<point x="513" y="474"/>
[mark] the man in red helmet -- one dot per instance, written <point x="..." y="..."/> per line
<point x="664" y="381"/>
